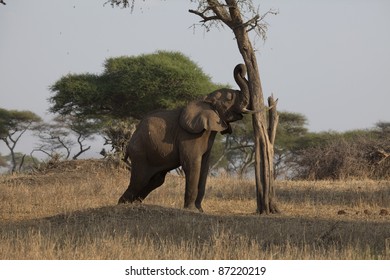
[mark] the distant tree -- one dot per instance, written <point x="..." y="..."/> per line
<point x="63" y="133"/>
<point x="54" y="140"/>
<point x="240" y="148"/>
<point x="3" y="161"/>
<point x="83" y="130"/>
<point x="236" y="152"/>
<point x="23" y="162"/>
<point x="382" y="129"/>
<point x="131" y="87"/>
<point x="13" y="124"/>
<point x="291" y="129"/>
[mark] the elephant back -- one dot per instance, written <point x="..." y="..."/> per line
<point x="155" y="136"/>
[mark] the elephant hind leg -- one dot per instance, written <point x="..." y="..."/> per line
<point x="141" y="185"/>
<point x="154" y="182"/>
<point x="138" y="181"/>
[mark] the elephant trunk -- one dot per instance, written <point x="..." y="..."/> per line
<point x="239" y="76"/>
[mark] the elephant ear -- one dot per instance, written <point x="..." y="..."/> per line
<point x="198" y="116"/>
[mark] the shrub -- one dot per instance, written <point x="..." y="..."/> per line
<point x="345" y="157"/>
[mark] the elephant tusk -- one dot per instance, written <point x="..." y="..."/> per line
<point x="247" y="111"/>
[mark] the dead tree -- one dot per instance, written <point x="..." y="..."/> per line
<point x="231" y="14"/>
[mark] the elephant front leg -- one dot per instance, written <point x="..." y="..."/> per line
<point x="202" y="181"/>
<point x="192" y="171"/>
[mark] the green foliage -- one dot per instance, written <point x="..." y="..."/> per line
<point x="292" y="127"/>
<point x="76" y="95"/>
<point x="12" y="121"/>
<point x="131" y="87"/>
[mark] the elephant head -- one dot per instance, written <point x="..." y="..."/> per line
<point x="218" y="108"/>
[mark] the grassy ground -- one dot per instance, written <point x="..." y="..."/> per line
<point x="70" y="212"/>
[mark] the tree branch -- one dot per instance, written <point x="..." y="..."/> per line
<point x="253" y="23"/>
<point x="123" y="3"/>
<point x="202" y="15"/>
<point x="273" y="119"/>
<point x="218" y="10"/>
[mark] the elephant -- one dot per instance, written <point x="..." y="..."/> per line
<point x="167" y="139"/>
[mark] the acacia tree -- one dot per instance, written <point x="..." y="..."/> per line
<point x="232" y="13"/>
<point x="63" y="133"/>
<point x="130" y="87"/>
<point x="13" y="124"/>
<point x="53" y="138"/>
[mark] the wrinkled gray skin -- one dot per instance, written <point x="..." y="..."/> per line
<point x="167" y="139"/>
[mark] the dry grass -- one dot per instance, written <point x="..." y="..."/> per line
<point x="70" y="212"/>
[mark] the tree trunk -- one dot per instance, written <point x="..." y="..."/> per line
<point x="264" y="132"/>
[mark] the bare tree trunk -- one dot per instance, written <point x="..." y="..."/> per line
<point x="21" y="163"/>
<point x="264" y="132"/>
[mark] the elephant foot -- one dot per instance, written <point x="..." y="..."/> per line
<point x="193" y="208"/>
<point x="199" y="207"/>
<point x="124" y="200"/>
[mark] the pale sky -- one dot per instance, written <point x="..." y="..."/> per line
<point x="329" y="60"/>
